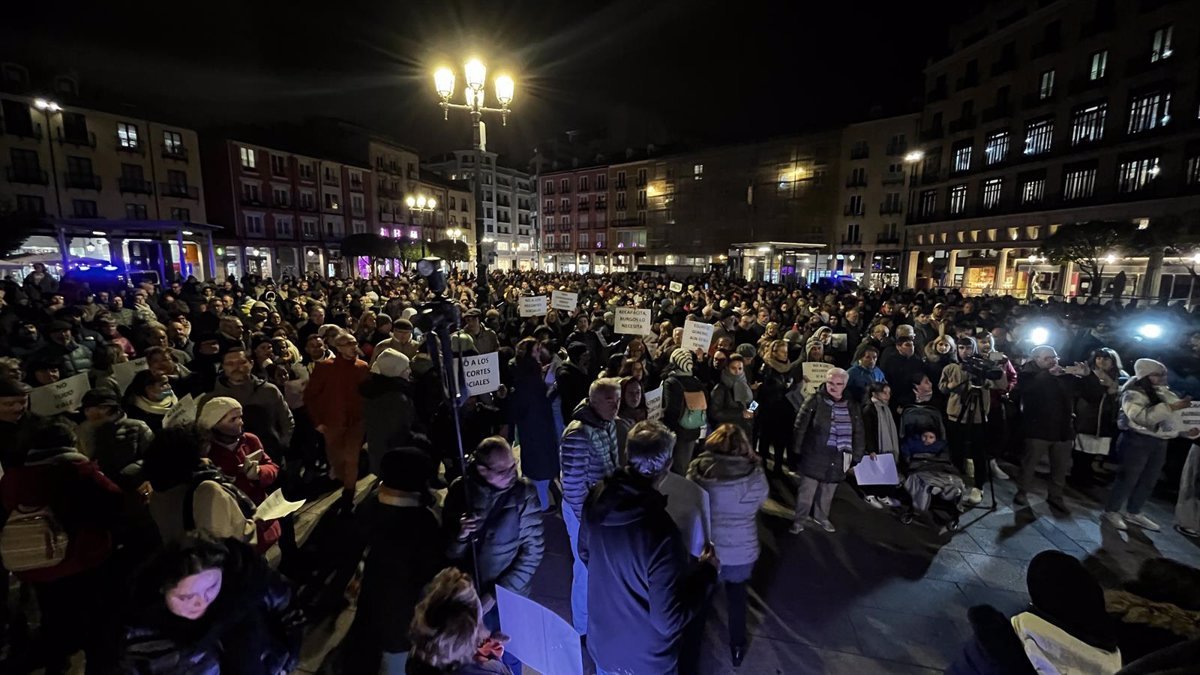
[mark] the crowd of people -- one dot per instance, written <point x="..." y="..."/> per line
<point x="131" y="510"/>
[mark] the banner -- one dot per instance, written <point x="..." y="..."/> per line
<point x="183" y="412"/>
<point x="632" y="321"/>
<point x="482" y="373"/>
<point x="697" y="335"/>
<point x="564" y="300"/>
<point x="676" y="287"/>
<point x="654" y="409"/>
<point x="58" y="397"/>
<point x="814" y="376"/>
<point x="532" y="305"/>
<point x="123" y="372"/>
<point x="540" y="638"/>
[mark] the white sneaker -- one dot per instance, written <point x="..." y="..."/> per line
<point x="1113" y="518"/>
<point x="999" y="473"/>
<point x="1142" y="522"/>
<point x="970" y="468"/>
<point x="973" y="496"/>
<point x="893" y="502"/>
<point x="873" y="501"/>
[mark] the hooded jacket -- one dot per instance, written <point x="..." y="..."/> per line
<point x="638" y="576"/>
<point x="737" y="488"/>
<point x="509" y="543"/>
<point x="588" y="454"/>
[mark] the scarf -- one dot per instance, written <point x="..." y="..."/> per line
<point x="737" y="384"/>
<point x="155" y="407"/>
<point x="841" y="433"/>
<point x="780" y="366"/>
<point x="888" y="435"/>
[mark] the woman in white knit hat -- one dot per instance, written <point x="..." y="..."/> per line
<point x="1147" y="421"/>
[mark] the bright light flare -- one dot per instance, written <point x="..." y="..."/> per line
<point x="504" y="89"/>
<point x="914" y="156"/>
<point x="476" y="73"/>
<point x="443" y="80"/>
<point x="1039" y="335"/>
<point x="1150" y="331"/>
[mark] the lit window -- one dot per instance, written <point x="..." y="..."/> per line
<point x="958" y="199"/>
<point x="698" y="171"/>
<point x="996" y="148"/>
<point x="962" y="158"/>
<point x="1033" y="191"/>
<point x="248" y="159"/>
<point x="1079" y="183"/>
<point x="1099" y="65"/>
<point x="1087" y="123"/>
<point x="127" y="135"/>
<point x="1149" y="111"/>
<point x="1135" y="175"/>
<point x="1046" y="85"/>
<point x="1160" y="46"/>
<point x="1037" y="136"/>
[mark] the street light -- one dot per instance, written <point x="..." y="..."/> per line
<point x="473" y="94"/>
<point x="914" y="156"/>
<point x="48" y="108"/>
<point x="425" y="206"/>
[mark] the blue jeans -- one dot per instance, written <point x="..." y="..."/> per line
<point x="1142" y="459"/>
<point x="543" y="493"/>
<point x="579" y="574"/>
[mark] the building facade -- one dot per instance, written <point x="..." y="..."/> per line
<point x="1049" y="113"/>
<point x="128" y="186"/>
<point x="573" y="212"/>
<point x="508" y="202"/>
<point x="874" y="180"/>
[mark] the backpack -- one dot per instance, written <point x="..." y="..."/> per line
<point x="245" y="504"/>
<point x="692" y="415"/>
<point x="32" y="539"/>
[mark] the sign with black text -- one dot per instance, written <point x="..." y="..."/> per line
<point x="632" y="321"/>
<point x="482" y="373"/>
<point x="564" y="300"/>
<point x="697" y="335"/>
<point x="59" y="397"/>
<point x="532" y="305"/>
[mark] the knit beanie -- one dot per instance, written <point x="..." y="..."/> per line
<point x="747" y="350"/>
<point x="421" y="364"/>
<point x="1147" y="367"/>
<point x="214" y="410"/>
<point x="682" y="360"/>
<point x="391" y="363"/>
<point x="813" y="342"/>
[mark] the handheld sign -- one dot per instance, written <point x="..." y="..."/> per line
<point x="676" y="287"/>
<point x="697" y="335"/>
<point x="814" y="375"/>
<point x="538" y="636"/>
<point x="654" y="409"/>
<point x="123" y="372"/>
<point x="632" y="321"/>
<point x="564" y="300"/>
<point x="482" y="373"/>
<point x="878" y="471"/>
<point x="59" y="397"/>
<point x="1188" y="418"/>
<point x="183" y="412"/>
<point x="534" y="305"/>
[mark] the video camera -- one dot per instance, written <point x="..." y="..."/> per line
<point x="981" y="370"/>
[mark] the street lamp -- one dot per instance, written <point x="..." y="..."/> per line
<point x="49" y="108"/>
<point x="425" y="206"/>
<point x="473" y="94"/>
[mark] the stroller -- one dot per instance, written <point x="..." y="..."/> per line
<point x="932" y="482"/>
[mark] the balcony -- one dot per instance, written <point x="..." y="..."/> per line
<point x="358" y="212"/>
<point x="852" y="211"/>
<point x="81" y="181"/>
<point x="893" y="179"/>
<point x="387" y="192"/>
<point x="853" y="182"/>
<point x="860" y="152"/>
<point x="180" y="191"/>
<point x="1004" y="65"/>
<point x="641" y="181"/>
<point x="332" y="179"/>
<point x="252" y="201"/>
<point x="308" y="207"/>
<point x="584" y="206"/>
<point x="601" y="205"/>
<point x="848" y="240"/>
<point x="135" y="186"/>
<point x="356" y="186"/>
<point x="27" y="175"/>
<point x="932" y="132"/>
<point x="891" y="209"/>
<point x="33" y="131"/>
<point x="999" y="111"/>
<point x="627" y="222"/>
<point x="134" y="148"/>
<point x="387" y="216"/>
<point x="175" y="152"/>
<point x="85" y="140"/>
<point x="965" y="123"/>
<point x="897" y="149"/>
<point x="620" y="185"/>
<point x="887" y="239"/>
<point x="549" y="209"/>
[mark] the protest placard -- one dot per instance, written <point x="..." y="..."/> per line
<point x="632" y="321"/>
<point x="123" y="372"/>
<point x="564" y="300"/>
<point x="482" y="373"/>
<point x="538" y="637"/>
<point x="532" y="305"/>
<point x="58" y="397"/>
<point x="814" y="375"/>
<point x="676" y="287"/>
<point x="880" y="470"/>
<point x="654" y="410"/>
<point x="183" y="412"/>
<point x="1189" y="418"/>
<point x="697" y="335"/>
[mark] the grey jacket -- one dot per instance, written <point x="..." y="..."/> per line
<point x="509" y="544"/>
<point x="737" y="488"/>
<point x="265" y="412"/>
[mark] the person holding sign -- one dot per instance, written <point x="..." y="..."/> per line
<point x="1148" y="419"/>
<point x="829" y="439"/>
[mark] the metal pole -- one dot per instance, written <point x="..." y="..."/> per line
<point x="53" y="168"/>
<point x="481" y="280"/>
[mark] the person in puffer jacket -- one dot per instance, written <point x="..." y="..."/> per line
<point x="1147" y="421"/>
<point x="588" y="455"/>
<point x="732" y="474"/>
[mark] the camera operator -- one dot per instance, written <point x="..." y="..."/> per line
<point x="967" y="384"/>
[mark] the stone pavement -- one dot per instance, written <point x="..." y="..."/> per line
<point x="877" y="596"/>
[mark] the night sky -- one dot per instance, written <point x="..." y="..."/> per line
<point x="646" y="70"/>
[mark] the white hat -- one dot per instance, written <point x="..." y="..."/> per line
<point x="215" y="410"/>
<point x="1147" y="367"/>
<point x="391" y="363"/>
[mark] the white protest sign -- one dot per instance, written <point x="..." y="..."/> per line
<point x="275" y="507"/>
<point x="654" y="409"/>
<point x="878" y="471"/>
<point x="1189" y="418"/>
<point x="814" y="376"/>
<point x="123" y="372"/>
<point x="632" y="321"/>
<point x="532" y="305"/>
<point x="183" y="412"/>
<point x="564" y="300"/>
<point x="676" y="287"/>
<point x="538" y="637"/>
<point x="697" y="335"/>
<point x="59" y="397"/>
<point x="482" y="373"/>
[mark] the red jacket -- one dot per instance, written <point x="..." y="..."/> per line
<point x="86" y="503"/>
<point x="332" y="397"/>
<point x="230" y="461"/>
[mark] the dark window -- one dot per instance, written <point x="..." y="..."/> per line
<point x="84" y="208"/>
<point x="180" y="214"/>
<point x="31" y="205"/>
<point x="17" y="118"/>
<point x="135" y="211"/>
<point x="74" y="127"/>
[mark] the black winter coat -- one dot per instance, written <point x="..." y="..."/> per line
<point x="509" y="543"/>
<point x="531" y="419"/>
<point x="674" y="403"/>
<point x="1047" y="403"/>
<point x="818" y="460"/>
<point x="1096" y="408"/>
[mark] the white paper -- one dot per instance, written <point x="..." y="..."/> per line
<point x="275" y="507"/>
<point x="532" y="305"/>
<point x="1189" y="418"/>
<point x="814" y="375"/>
<point x="482" y="373"/>
<point x="540" y="638"/>
<point x="687" y="504"/>
<point x="878" y="471"/>
<point x="632" y="321"/>
<point x="564" y="300"/>
<point x="58" y="397"/>
<point x="697" y="335"/>
<point x="676" y="287"/>
<point x="654" y="409"/>
<point x="183" y="412"/>
<point x="123" y="372"/>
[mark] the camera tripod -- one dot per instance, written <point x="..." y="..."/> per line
<point x="972" y="402"/>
